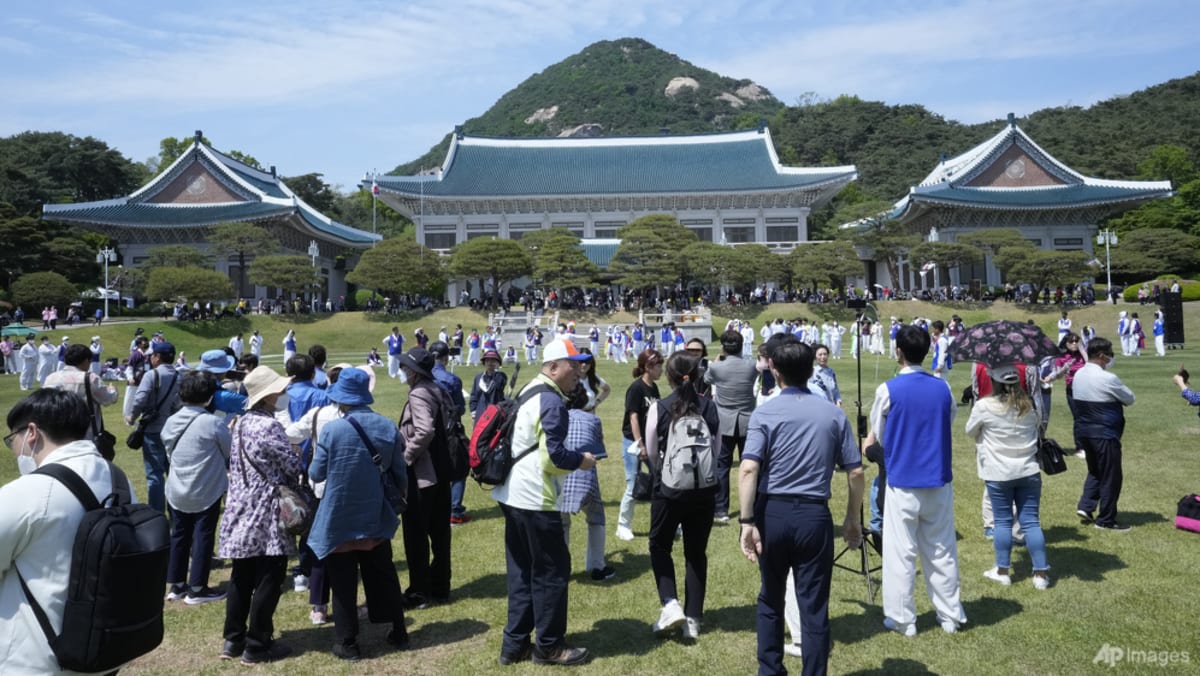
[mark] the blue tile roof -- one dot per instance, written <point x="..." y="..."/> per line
<point x="1037" y="198"/>
<point x="742" y="161"/>
<point x="600" y="253"/>
<point x="149" y="215"/>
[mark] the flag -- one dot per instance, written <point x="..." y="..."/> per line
<point x="928" y="266"/>
<point x="374" y="187"/>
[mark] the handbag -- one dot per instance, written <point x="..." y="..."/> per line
<point x="643" y="484"/>
<point x="105" y="442"/>
<point x="297" y="504"/>
<point x="1050" y="456"/>
<point x="395" y="490"/>
<point x="137" y="437"/>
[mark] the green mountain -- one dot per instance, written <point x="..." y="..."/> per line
<point x="617" y="88"/>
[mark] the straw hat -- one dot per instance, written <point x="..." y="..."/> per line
<point x="263" y="382"/>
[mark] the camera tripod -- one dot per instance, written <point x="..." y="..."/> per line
<point x="870" y="539"/>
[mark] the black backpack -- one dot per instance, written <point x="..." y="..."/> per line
<point x="114" y="608"/>
<point x="454" y="436"/>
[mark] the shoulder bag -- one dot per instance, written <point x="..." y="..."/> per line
<point x="105" y="442"/>
<point x="297" y="504"/>
<point x="395" y="490"/>
<point x="1050" y="455"/>
<point x="138" y="436"/>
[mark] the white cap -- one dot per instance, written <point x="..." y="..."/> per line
<point x="562" y="349"/>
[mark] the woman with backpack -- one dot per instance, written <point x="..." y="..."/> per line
<point x="682" y="444"/>
<point x="641" y="395"/>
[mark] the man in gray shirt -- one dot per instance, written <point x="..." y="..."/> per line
<point x="794" y="443"/>
<point x="156" y="399"/>
<point x="732" y="378"/>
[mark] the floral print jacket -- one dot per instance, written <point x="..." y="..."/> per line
<point x="250" y="525"/>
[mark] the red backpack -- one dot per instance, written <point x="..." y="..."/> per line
<point x="491" y="453"/>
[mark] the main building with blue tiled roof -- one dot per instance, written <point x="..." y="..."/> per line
<point x="726" y="187"/>
<point x="1008" y="181"/>
<point x="205" y="187"/>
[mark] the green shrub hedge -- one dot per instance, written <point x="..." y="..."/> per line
<point x="1188" y="288"/>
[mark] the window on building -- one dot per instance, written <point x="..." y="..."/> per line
<point x="783" y="233"/>
<point x="605" y="233"/>
<point x="696" y="221"/>
<point x="1068" y="241"/>
<point x="703" y="234"/>
<point x="473" y="235"/>
<point x="738" y="221"/>
<point x="440" y="240"/>
<point x="779" y="220"/>
<point x="739" y="235"/>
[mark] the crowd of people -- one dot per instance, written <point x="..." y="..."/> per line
<point x="222" y="437"/>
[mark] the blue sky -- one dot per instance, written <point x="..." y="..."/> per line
<point x="346" y="87"/>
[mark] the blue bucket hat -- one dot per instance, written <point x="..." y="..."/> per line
<point x="353" y="388"/>
<point x="216" y="361"/>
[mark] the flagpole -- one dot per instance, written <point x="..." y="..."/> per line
<point x="374" y="203"/>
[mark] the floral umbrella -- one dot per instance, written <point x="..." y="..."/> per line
<point x="1001" y="342"/>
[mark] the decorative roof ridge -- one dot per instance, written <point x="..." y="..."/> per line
<point x="1134" y="185"/>
<point x="946" y="169"/>
<point x="238" y="165"/>
<point x="609" y="141"/>
<point x="152" y="186"/>
<point x="75" y="206"/>
<point x="215" y="157"/>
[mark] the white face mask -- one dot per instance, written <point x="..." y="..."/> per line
<point x="26" y="463"/>
<point x="1108" y="364"/>
<point x="281" y="402"/>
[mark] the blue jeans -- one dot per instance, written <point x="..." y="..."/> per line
<point x="876" y="522"/>
<point x="625" y="515"/>
<point x="1026" y="494"/>
<point x="457" y="488"/>
<point x="154" y="457"/>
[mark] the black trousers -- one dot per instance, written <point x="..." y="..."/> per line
<point x="426" y="532"/>
<point x="538" y="566"/>
<point x="381" y="585"/>
<point x="724" y="464"/>
<point x="695" y="515"/>
<point x="254" y="589"/>
<point x="797" y="540"/>
<point x="192" y="537"/>
<point x="1102" y="487"/>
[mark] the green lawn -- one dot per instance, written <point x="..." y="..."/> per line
<point x="1131" y="590"/>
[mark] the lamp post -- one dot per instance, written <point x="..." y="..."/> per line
<point x="1107" y="238"/>
<point x="106" y="256"/>
<point x="314" y="251"/>
<point x="120" y="284"/>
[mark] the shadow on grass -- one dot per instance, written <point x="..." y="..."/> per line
<point x="1056" y="534"/>
<point x="492" y="586"/>
<point x="895" y="665"/>
<point x="443" y="633"/>
<point x="1140" y="518"/>
<point x="732" y="618"/>
<point x="630" y="567"/>
<point x="610" y="638"/>
<point x="1081" y="563"/>
<point x="982" y="612"/>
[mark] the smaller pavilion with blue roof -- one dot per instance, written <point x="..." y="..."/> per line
<point x="205" y="187"/>
<point x="1009" y="181"/>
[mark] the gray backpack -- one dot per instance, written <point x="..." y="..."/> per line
<point x="688" y="463"/>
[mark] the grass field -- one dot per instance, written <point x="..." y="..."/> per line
<point x="1131" y="590"/>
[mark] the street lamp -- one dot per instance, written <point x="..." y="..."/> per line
<point x="1107" y="238"/>
<point x="314" y="251"/>
<point x="106" y="256"/>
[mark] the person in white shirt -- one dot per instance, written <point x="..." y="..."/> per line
<point x="747" y="341"/>
<point x="236" y="344"/>
<point x="1064" y="327"/>
<point x="256" y="342"/>
<point x="29" y="362"/>
<point x="39" y="522"/>
<point x="47" y="360"/>
<point x="97" y="349"/>
<point x="941" y="346"/>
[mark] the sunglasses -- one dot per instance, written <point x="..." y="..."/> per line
<point x="8" y="438"/>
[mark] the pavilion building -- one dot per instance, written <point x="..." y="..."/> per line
<point x="1008" y="181"/>
<point x="728" y="188"/>
<point x="205" y="187"/>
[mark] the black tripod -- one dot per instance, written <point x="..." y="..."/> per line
<point x="870" y="540"/>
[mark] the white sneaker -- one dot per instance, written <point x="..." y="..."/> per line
<point x="671" y="617"/>
<point x="624" y="533"/>
<point x="691" y="630"/>
<point x="994" y="574"/>
<point x="949" y="626"/>
<point x="300" y="583"/>
<point x="908" y="630"/>
<point x="1041" y="583"/>
<point x="793" y="649"/>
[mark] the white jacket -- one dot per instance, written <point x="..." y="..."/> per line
<point x="37" y="534"/>
<point x="1006" y="446"/>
